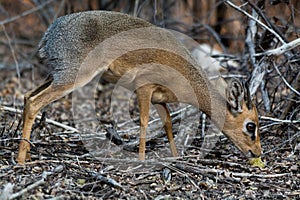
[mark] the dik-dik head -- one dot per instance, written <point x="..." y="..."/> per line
<point x="241" y="122"/>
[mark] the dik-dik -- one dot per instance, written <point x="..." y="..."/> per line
<point x="143" y="58"/>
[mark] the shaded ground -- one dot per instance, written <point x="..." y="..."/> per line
<point x="62" y="168"/>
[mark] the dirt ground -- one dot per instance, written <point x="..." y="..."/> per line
<point x="63" y="168"/>
<point x="72" y="157"/>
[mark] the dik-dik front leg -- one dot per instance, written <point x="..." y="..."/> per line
<point x="33" y="102"/>
<point x="29" y="115"/>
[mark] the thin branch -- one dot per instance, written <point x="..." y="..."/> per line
<point x="28" y="12"/>
<point x="136" y="6"/>
<point x="183" y="174"/>
<point x="250" y="37"/>
<point x="257" y="76"/>
<point x="236" y="174"/>
<point x="259" y="22"/>
<point x="282" y="49"/>
<point x="283" y="143"/>
<point x="216" y="36"/>
<point x="292" y="104"/>
<point x="108" y="181"/>
<point x="267" y="21"/>
<point x="280" y="120"/>
<point x="265" y="95"/>
<point x="13" y="54"/>
<point x="152" y="121"/>
<point x="66" y="127"/>
<point x="38" y="183"/>
<point x="285" y="81"/>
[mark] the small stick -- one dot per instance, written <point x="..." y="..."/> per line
<point x="282" y="49"/>
<point x="28" y="12"/>
<point x="285" y="81"/>
<point x="66" y="127"/>
<point x="237" y="174"/>
<point x="38" y="183"/>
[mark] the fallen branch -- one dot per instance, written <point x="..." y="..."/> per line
<point x="66" y="127"/>
<point x="282" y="49"/>
<point x="183" y="174"/>
<point x="236" y="174"/>
<point x="213" y="162"/>
<point x="108" y="181"/>
<point x="98" y="176"/>
<point x="38" y="183"/>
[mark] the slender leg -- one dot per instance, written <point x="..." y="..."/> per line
<point x="164" y="114"/>
<point x="34" y="101"/>
<point x="144" y="95"/>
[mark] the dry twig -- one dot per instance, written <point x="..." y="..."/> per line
<point x="38" y="183"/>
<point x="282" y="49"/>
<point x="66" y="127"/>
<point x="28" y="12"/>
<point x="236" y="174"/>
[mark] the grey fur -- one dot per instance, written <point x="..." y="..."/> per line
<point x="70" y="38"/>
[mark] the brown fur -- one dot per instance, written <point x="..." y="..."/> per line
<point x="150" y="60"/>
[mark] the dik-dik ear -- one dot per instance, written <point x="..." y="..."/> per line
<point x="235" y="94"/>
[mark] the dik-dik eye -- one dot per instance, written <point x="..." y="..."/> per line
<point x="251" y="127"/>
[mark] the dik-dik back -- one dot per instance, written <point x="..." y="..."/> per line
<point x="141" y="57"/>
<point x="69" y="40"/>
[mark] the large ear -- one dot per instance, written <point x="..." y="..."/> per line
<point x="235" y="95"/>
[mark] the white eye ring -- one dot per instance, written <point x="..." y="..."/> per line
<point x="250" y="128"/>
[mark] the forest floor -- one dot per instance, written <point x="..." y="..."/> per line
<point x="84" y="146"/>
<point x="62" y="165"/>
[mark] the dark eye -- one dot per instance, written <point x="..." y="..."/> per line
<point x="251" y="127"/>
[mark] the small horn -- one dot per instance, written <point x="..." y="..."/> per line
<point x="247" y="96"/>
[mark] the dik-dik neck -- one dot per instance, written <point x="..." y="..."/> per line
<point x="208" y="99"/>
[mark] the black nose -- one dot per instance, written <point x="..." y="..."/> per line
<point x="253" y="155"/>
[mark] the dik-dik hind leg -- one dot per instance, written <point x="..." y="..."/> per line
<point x="33" y="102"/>
<point x="144" y="95"/>
<point x="164" y="114"/>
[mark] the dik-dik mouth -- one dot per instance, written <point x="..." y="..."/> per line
<point x="250" y="154"/>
